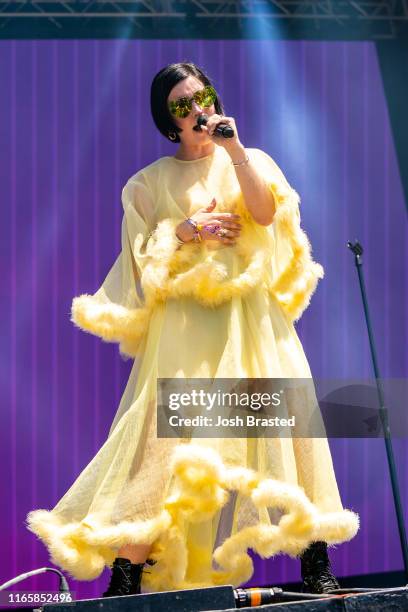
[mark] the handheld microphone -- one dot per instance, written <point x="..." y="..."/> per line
<point x="222" y="129"/>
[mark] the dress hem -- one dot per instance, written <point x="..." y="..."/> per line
<point x="202" y="485"/>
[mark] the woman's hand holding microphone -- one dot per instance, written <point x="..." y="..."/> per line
<point x="224" y="227"/>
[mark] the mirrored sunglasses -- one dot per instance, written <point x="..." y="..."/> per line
<point x="204" y="98"/>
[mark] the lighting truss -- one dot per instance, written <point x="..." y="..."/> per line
<point x="384" y="18"/>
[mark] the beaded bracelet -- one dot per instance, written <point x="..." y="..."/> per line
<point x="192" y="222"/>
<point x="197" y="236"/>
<point x="197" y="227"/>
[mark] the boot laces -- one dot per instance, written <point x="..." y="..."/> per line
<point x="316" y="568"/>
<point x="120" y="581"/>
<point x="123" y="575"/>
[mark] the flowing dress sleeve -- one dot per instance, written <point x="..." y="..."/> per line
<point x="294" y="273"/>
<point x="120" y="309"/>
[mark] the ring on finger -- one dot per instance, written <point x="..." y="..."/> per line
<point x="212" y="228"/>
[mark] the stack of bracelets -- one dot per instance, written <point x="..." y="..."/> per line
<point x="198" y="227"/>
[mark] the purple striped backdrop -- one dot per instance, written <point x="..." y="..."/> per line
<point x="75" y="124"/>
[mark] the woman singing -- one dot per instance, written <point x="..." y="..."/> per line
<point x="213" y="273"/>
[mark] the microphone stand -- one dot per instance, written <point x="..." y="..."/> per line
<point x="357" y="249"/>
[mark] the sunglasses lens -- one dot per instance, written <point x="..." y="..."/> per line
<point x="206" y="97"/>
<point x="180" y="107"/>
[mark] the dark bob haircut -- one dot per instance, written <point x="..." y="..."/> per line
<point x="163" y="83"/>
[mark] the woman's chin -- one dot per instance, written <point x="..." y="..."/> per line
<point x="203" y="136"/>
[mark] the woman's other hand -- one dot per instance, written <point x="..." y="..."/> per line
<point x="224" y="227"/>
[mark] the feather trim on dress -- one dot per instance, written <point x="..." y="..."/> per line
<point x="167" y="270"/>
<point x="201" y="487"/>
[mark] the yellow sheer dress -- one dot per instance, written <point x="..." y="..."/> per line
<point x="200" y="310"/>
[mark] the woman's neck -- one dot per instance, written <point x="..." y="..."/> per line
<point x="192" y="153"/>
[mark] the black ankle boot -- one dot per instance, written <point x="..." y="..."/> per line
<point x="125" y="579"/>
<point x="316" y="570"/>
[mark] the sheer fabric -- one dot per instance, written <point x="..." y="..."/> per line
<point x="200" y="310"/>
